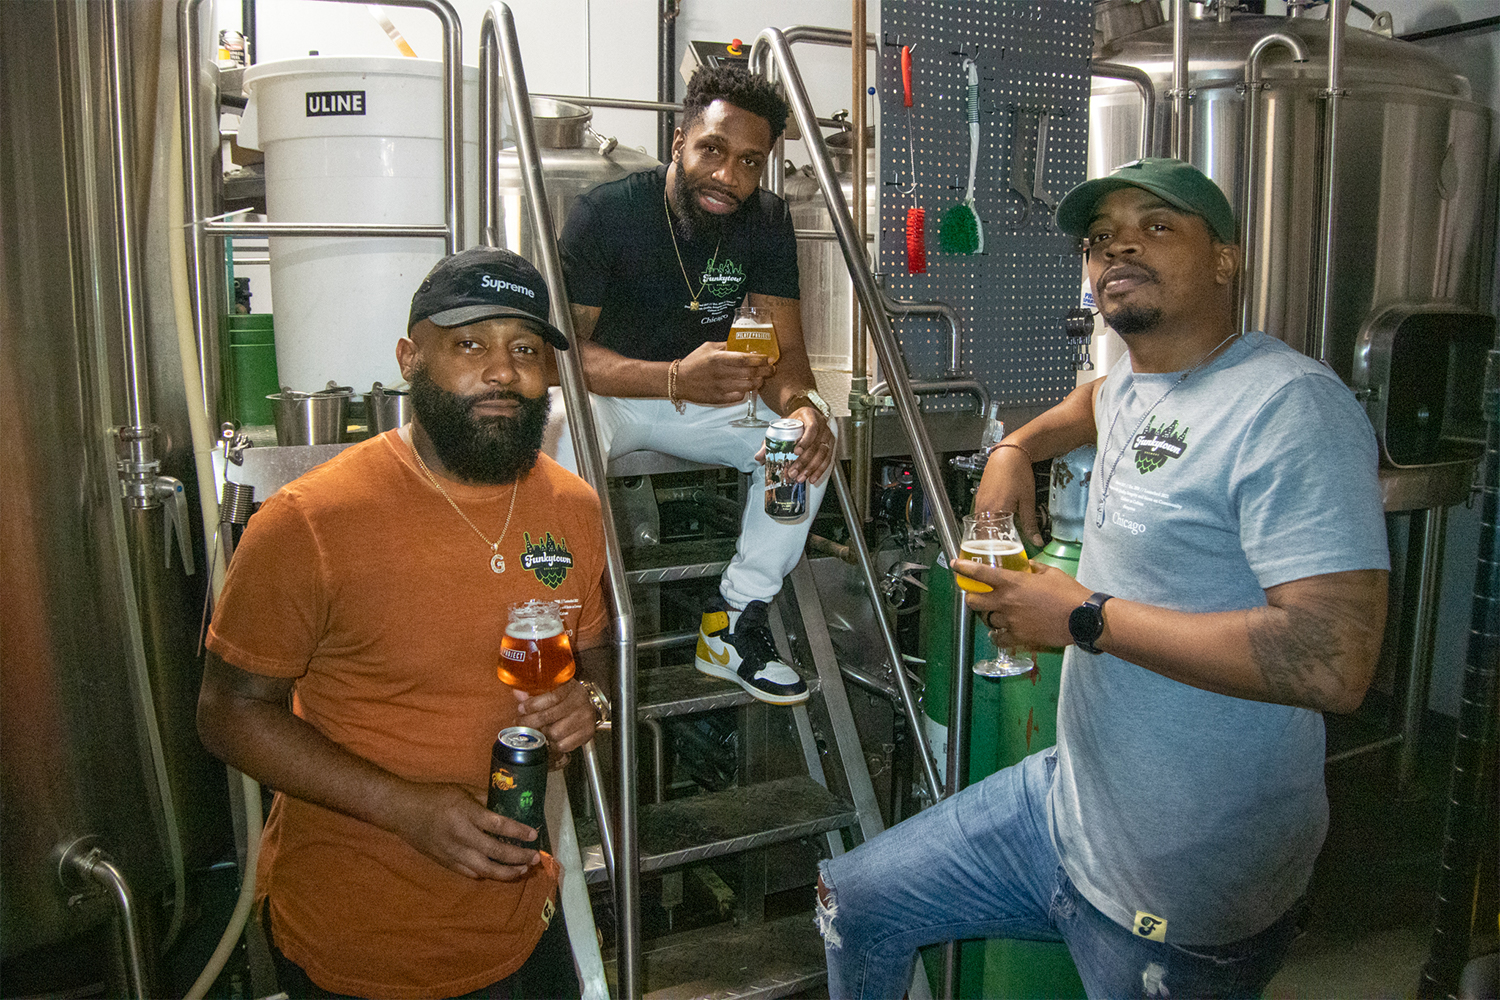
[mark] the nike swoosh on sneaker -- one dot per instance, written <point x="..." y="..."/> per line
<point x="706" y="651"/>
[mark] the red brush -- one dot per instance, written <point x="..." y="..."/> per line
<point x="916" y="241"/>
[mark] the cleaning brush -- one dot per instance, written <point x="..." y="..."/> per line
<point x="916" y="241"/>
<point x="961" y="231"/>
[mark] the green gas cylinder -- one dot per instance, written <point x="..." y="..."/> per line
<point x="1012" y="718"/>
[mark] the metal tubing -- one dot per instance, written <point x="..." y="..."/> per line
<point x="629" y="104"/>
<point x="911" y="307"/>
<point x="1181" y="128"/>
<point x="189" y="59"/>
<point x="322" y="229"/>
<point x="594" y="776"/>
<point x="944" y="387"/>
<point x="81" y="861"/>
<point x="658" y="759"/>
<point x="666" y="80"/>
<point x="1424" y="565"/>
<point x="498" y="29"/>
<point x="1250" y="205"/>
<point x="892" y="648"/>
<point x="137" y="387"/>
<point x="860" y="355"/>
<point x="887" y="348"/>
<point x="1338" y="10"/>
<point x="1142" y="81"/>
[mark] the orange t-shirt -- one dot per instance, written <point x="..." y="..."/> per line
<point x="360" y="581"/>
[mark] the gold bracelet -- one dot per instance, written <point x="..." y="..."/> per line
<point x="1019" y="447"/>
<point x="677" y="404"/>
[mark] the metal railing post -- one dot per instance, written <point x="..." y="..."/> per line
<point x="1338" y="12"/>
<point x="499" y="28"/>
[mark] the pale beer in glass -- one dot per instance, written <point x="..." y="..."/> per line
<point x="753" y="332"/>
<point x="990" y="537"/>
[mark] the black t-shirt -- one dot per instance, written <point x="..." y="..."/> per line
<point x="617" y="255"/>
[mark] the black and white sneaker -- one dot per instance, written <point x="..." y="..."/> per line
<point x="737" y="646"/>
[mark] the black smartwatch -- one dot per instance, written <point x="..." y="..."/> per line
<point x="1086" y="623"/>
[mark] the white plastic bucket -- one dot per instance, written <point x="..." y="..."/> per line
<point x="352" y="139"/>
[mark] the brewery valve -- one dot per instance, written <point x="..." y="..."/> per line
<point x="1078" y="324"/>
<point x="144" y="489"/>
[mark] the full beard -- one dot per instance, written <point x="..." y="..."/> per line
<point x="695" y="224"/>
<point x="485" y="450"/>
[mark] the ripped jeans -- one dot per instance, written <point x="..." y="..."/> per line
<point x="981" y="865"/>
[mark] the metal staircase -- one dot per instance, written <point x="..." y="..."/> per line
<point x="756" y="955"/>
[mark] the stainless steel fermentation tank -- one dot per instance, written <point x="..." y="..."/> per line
<point x="1412" y="237"/>
<point x="98" y="679"/>
<point x="574" y="159"/>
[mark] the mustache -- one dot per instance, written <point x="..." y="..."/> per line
<point x="1129" y="269"/>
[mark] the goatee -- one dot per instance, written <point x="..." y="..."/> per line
<point x="1130" y="320"/>
<point x="485" y="450"/>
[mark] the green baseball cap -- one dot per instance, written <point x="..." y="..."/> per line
<point x="1179" y="184"/>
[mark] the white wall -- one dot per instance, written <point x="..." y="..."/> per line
<point x="601" y="48"/>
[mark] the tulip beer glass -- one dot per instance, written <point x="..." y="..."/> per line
<point x="991" y="538"/>
<point x="535" y="655"/>
<point x="753" y="332"/>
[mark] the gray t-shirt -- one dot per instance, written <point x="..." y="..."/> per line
<point x="1191" y="816"/>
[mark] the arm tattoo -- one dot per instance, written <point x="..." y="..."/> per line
<point x="1301" y="649"/>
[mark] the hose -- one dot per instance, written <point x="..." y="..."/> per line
<point x="203" y="447"/>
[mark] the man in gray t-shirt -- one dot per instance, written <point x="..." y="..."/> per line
<point x="1231" y="589"/>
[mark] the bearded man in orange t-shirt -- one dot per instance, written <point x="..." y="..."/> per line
<point x="352" y="665"/>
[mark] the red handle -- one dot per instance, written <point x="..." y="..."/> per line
<point x="906" y="72"/>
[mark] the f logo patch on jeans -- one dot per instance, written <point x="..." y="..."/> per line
<point x="1149" y="926"/>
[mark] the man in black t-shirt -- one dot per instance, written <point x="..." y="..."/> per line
<point x="656" y="265"/>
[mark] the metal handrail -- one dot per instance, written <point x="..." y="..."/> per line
<point x="773" y="43"/>
<point x="201" y="228"/>
<point x="498" y="30"/>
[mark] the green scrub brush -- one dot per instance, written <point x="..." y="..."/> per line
<point x="961" y="231"/>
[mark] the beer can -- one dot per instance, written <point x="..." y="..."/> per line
<point x="785" y="500"/>
<point x="518" y="781"/>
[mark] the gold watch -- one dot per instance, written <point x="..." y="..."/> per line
<point x="600" y="703"/>
<point x="818" y="402"/>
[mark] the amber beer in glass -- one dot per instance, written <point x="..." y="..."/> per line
<point x="535" y="655"/>
<point x="753" y="332"/>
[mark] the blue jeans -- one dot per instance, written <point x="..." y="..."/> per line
<point x="981" y="865"/>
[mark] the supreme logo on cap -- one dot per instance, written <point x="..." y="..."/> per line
<point x="492" y="283"/>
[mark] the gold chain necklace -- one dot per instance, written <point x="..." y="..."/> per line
<point x="497" y="561"/>
<point x="672" y="230"/>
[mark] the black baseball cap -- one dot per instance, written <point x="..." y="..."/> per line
<point x="1179" y="184"/>
<point x="484" y="283"/>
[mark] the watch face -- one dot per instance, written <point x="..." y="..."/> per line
<point x="1086" y="624"/>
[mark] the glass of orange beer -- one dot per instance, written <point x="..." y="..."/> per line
<point x="753" y="332"/>
<point x="990" y="537"/>
<point x="535" y="655"/>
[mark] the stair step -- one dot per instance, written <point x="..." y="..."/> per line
<point x="727" y="962"/>
<point x="678" y="560"/>
<point x="737" y="819"/>
<point x="681" y="689"/>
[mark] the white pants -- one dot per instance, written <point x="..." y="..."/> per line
<point x="767" y="548"/>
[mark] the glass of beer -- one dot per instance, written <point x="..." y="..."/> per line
<point x="535" y="655"/>
<point x="990" y="537"/>
<point x="753" y="332"/>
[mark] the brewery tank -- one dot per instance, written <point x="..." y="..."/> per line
<point x="1410" y="174"/>
<point x="574" y="160"/>
<point x="827" y="294"/>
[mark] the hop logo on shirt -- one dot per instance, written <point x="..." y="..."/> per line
<point x="548" y="558"/>
<point x="1155" y="445"/>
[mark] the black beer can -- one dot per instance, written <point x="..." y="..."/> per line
<point x="518" y="781"/>
<point x="785" y="500"/>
